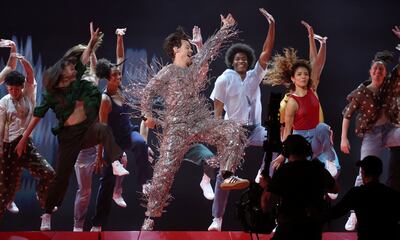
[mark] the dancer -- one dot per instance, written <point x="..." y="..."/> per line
<point x="11" y="65"/>
<point x="75" y="102"/>
<point x="186" y="118"/>
<point x="85" y="163"/>
<point x="237" y="91"/>
<point x="115" y="113"/>
<point x="375" y="102"/>
<point x="302" y="113"/>
<point x="16" y="109"/>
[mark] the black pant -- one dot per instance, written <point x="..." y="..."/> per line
<point x="71" y="140"/>
<point x="137" y="152"/>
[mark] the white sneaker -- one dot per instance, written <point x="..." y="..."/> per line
<point x="258" y="177"/>
<point x="234" y="182"/>
<point x="46" y="222"/>
<point x="205" y="185"/>
<point x="118" y="169"/>
<point x="351" y="222"/>
<point x="12" y="207"/>
<point x="95" y="229"/>
<point x="331" y="167"/>
<point x="333" y="196"/>
<point x="77" y="229"/>
<point x="215" y="225"/>
<point x="119" y="200"/>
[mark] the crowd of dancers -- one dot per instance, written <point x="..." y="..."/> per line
<point x="95" y="133"/>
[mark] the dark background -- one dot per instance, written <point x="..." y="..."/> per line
<point x="356" y="29"/>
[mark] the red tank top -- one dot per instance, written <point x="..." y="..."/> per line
<point x="307" y="115"/>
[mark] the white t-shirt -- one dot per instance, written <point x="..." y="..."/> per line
<point x="241" y="98"/>
<point x="16" y="115"/>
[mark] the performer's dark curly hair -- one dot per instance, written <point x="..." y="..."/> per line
<point x="174" y="40"/>
<point x="240" y="48"/>
<point x="103" y="68"/>
<point x="14" y="78"/>
<point x="386" y="57"/>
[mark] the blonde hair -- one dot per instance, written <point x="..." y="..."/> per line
<point x="281" y="70"/>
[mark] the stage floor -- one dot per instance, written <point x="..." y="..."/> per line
<point x="154" y="235"/>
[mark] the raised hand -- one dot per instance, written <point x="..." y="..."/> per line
<point x="197" y="39"/>
<point x="320" y="39"/>
<point x="95" y="36"/>
<point x="6" y="43"/>
<point x="268" y="16"/>
<point x="310" y="30"/>
<point x="120" y="31"/>
<point x="396" y="31"/>
<point x="227" y="21"/>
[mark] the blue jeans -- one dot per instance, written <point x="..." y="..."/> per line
<point x="137" y="153"/>
<point x="375" y="140"/>
<point x="320" y="140"/>
<point x="84" y="168"/>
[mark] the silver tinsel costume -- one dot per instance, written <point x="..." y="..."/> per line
<point x="185" y="120"/>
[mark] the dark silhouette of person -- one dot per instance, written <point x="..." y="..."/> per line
<point x="376" y="205"/>
<point x="301" y="185"/>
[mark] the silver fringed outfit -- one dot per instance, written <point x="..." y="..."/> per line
<point x="185" y="120"/>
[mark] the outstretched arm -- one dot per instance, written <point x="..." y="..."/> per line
<point x="12" y="60"/>
<point x="317" y="59"/>
<point x="120" y="50"/>
<point x="313" y="47"/>
<point x="30" y="77"/>
<point x="269" y="41"/>
<point x="30" y="85"/>
<point x="95" y="36"/>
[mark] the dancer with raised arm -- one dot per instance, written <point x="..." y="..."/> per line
<point x="75" y="102"/>
<point x="16" y="110"/>
<point x="302" y="112"/>
<point x="115" y="113"/>
<point x="237" y="91"/>
<point x="186" y="118"/>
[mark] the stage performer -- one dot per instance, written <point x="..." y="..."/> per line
<point x="16" y="110"/>
<point x="75" y="102"/>
<point x="237" y="91"/>
<point x="302" y="112"/>
<point x="377" y="121"/>
<point x="186" y="118"/>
